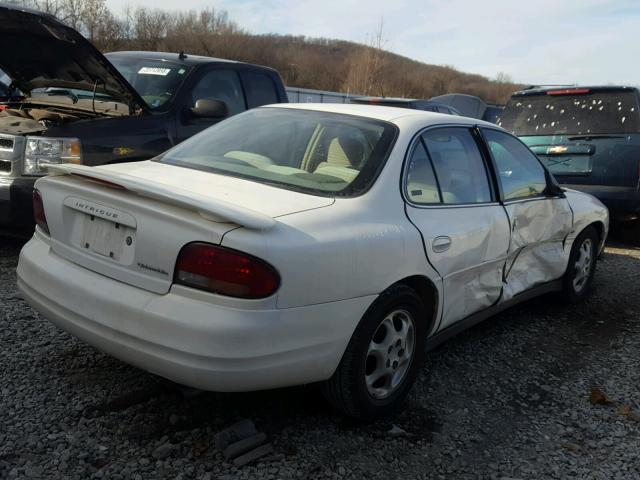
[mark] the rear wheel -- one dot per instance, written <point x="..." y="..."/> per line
<point x="383" y="357"/>
<point x="582" y="266"/>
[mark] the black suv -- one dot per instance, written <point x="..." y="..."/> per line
<point x="79" y="106"/>
<point x="588" y="137"/>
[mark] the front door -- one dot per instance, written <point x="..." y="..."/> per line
<point x="539" y="222"/>
<point x="464" y="228"/>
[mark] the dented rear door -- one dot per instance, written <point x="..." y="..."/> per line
<point x="464" y="228"/>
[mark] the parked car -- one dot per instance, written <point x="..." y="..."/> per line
<point x="471" y="106"/>
<point x="426" y="105"/>
<point x="83" y="108"/>
<point x="588" y="137"/>
<point x="308" y="243"/>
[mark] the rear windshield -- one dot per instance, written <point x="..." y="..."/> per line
<point x="313" y="152"/>
<point x="597" y="113"/>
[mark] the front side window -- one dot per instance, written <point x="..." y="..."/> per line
<point x="459" y="166"/>
<point x="314" y="152"/>
<point x="221" y="85"/>
<point x="520" y="172"/>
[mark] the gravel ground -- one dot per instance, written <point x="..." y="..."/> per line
<point x="508" y="399"/>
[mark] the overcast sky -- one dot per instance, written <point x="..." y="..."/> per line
<point x="538" y="42"/>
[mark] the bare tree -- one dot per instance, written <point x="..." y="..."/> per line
<point x="366" y="66"/>
<point x="320" y="63"/>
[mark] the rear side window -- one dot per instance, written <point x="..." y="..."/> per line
<point x="575" y="114"/>
<point x="422" y="186"/>
<point x="520" y="172"/>
<point x="458" y="165"/>
<point x="220" y="85"/>
<point x="260" y="89"/>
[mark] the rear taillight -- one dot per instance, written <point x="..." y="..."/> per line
<point x="569" y="91"/>
<point x="225" y="271"/>
<point x="38" y="212"/>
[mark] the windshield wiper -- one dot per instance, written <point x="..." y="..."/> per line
<point x="593" y="135"/>
<point x="66" y="93"/>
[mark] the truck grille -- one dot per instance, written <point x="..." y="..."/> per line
<point x="5" y="166"/>
<point x="6" y="144"/>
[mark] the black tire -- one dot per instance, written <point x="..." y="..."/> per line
<point x="347" y="389"/>
<point x="571" y="293"/>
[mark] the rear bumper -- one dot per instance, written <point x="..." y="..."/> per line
<point x="623" y="202"/>
<point x="184" y="339"/>
<point x="16" y="210"/>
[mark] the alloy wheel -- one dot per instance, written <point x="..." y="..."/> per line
<point x="582" y="267"/>
<point x="390" y="354"/>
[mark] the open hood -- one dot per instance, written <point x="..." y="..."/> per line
<point x="39" y="51"/>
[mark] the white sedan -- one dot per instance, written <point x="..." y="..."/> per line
<point x="306" y="243"/>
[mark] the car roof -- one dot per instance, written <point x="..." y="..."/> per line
<point x="186" y="59"/>
<point x="384" y="113"/>
<point x="594" y="88"/>
<point x="382" y="100"/>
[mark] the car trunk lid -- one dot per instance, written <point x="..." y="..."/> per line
<point x="129" y="221"/>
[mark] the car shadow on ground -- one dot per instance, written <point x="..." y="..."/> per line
<point x="625" y="235"/>
<point x="556" y="338"/>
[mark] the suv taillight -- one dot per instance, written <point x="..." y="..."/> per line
<point x="38" y="212"/>
<point x="569" y="91"/>
<point x="225" y="271"/>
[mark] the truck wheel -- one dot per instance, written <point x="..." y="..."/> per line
<point x="582" y="266"/>
<point x="384" y="355"/>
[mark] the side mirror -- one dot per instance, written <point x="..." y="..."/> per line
<point x="209" y="108"/>
<point x="553" y="188"/>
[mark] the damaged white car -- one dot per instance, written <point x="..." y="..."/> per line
<point x="306" y="243"/>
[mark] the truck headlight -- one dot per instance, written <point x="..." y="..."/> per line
<point x="43" y="151"/>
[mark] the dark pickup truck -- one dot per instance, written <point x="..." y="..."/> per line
<point x="79" y="106"/>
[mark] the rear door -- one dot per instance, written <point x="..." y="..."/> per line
<point x="539" y="222"/>
<point x="260" y="88"/>
<point x="465" y="230"/>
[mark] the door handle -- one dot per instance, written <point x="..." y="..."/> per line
<point x="441" y="244"/>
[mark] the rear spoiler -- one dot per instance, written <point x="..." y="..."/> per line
<point x="214" y="210"/>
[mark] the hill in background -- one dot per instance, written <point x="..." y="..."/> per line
<point x="317" y="63"/>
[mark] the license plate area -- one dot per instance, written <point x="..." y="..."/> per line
<point x="100" y="230"/>
<point x="106" y="238"/>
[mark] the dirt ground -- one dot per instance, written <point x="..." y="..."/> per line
<point x="508" y="399"/>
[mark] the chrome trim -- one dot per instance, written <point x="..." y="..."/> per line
<point x="530" y="199"/>
<point x="450" y="205"/>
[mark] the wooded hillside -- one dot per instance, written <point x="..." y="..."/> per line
<point x="318" y="63"/>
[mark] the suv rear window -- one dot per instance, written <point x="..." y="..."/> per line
<point x="577" y="114"/>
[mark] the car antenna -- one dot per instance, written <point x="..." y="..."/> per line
<point x="93" y="98"/>
<point x="182" y="55"/>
